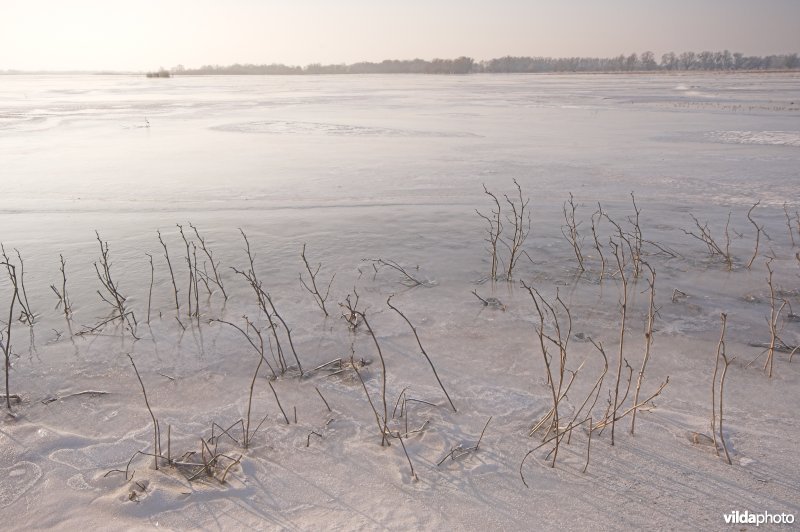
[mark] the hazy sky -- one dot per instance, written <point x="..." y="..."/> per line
<point x="146" y="34"/>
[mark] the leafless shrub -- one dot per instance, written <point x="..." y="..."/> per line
<point x="493" y="231"/>
<point x="558" y="340"/>
<point x="26" y="315"/>
<point x="703" y="234"/>
<point x="570" y="231"/>
<point x="216" y="279"/>
<point x="267" y="306"/>
<point x="112" y="296"/>
<point x="759" y="231"/>
<point x="635" y="239"/>
<point x="595" y="224"/>
<point x="350" y="311"/>
<point x="192" y="277"/>
<point x="319" y="298"/>
<point x="520" y="220"/>
<point x="63" y="298"/>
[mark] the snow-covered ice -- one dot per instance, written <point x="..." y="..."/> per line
<point x="392" y="167"/>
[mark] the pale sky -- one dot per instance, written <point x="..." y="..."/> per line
<point x="147" y="34"/>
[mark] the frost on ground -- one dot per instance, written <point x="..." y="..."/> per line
<point x="286" y="450"/>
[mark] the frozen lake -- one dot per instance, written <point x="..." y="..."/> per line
<point x="392" y="167"/>
<point x="77" y="143"/>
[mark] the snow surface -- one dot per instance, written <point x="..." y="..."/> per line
<point x="392" y="167"/>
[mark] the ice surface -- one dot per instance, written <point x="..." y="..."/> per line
<point x="392" y="167"/>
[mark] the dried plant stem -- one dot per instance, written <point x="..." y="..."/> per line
<point x="217" y="280"/>
<point x="156" y="444"/>
<point x="720" y="351"/>
<point x="349" y="310"/>
<point x="557" y="436"/>
<point x="30" y="316"/>
<point x="17" y="279"/>
<point x="597" y="245"/>
<point x="63" y="297"/>
<point x="12" y="272"/>
<point x="197" y="278"/>
<point x="381" y="427"/>
<point x="789" y="224"/>
<point x="713" y="248"/>
<point x="494" y="230"/>
<point x="759" y="230"/>
<point x="636" y="249"/>
<point x="619" y="253"/>
<point x="606" y="421"/>
<point x="648" y="337"/>
<point x="257" y="343"/>
<point x="191" y="270"/>
<point x="278" y="401"/>
<point x="150" y="291"/>
<point x="560" y="339"/>
<point x="409" y="279"/>
<point x="422" y="349"/>
<point x="264" y="299"/>
<point x="520" y="220"/>
<point x="383" y="375"/>
<point x="323" y="399"/>
<point x="115" y="299"/>
<point x="250" y="400"/>
<point x="570" y="231"/>
<point x="721" y="394"/>
<point x="319" y="298"/>
<point x="773" y="320"/>
<point x="171" y="272"/>
<point x="588" y="446"/>
<point x="399" y="437"/>
<point x="285" y="328"/>
<point x="595" y="389"/>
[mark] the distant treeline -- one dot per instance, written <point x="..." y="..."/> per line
<point x="646" y="61"/>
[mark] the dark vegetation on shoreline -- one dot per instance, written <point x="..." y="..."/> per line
<point x="644" y="62"/>
<point x="705" y="61"/>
